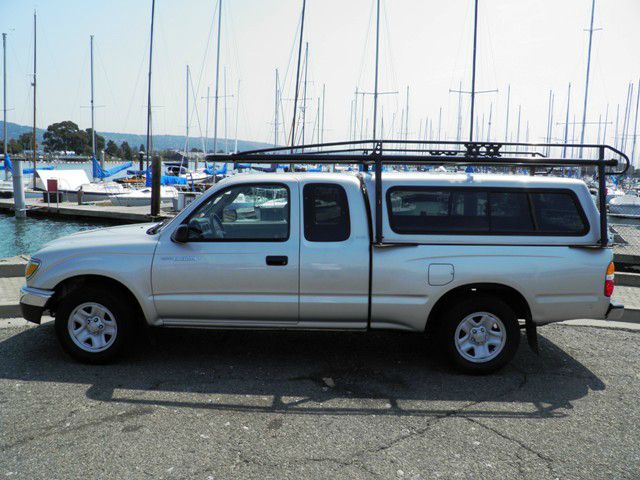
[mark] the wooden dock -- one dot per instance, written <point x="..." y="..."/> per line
<point x="98" y="210"/>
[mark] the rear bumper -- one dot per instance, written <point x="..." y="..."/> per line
<point x="615" y="311"/>
<point x="33" y="302"/>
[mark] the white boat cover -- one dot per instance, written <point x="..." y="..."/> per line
<point x="69" y="180"/>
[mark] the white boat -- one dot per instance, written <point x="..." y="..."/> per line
<point x="71" y="182"/>
<point x="94" y="192"/>
<point x="142" y="197"/>
<point x="192" y="177"/>
<point x="612" y="193"/>
<point x="196" y="177"/>
<point x="6" y="189"/>
<point x="625" y="206"/>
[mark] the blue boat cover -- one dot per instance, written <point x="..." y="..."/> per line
<point x="9" y="166"/>
<point x="165" y="179"/>
<point x="212" y="171"/>
<point x="99" y="172"/>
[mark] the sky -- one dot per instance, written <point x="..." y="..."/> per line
<point x="535" y="46"/>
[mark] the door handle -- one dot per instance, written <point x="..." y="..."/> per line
<point x="277" y="260"/>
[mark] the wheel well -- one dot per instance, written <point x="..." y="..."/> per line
<point x="509" y="295"/>
<point x="98" y="281"/>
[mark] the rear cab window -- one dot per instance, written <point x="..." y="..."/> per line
<point x="326" y="213"/>
<point x="416" y="210"/>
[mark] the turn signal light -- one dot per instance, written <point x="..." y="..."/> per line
<point x="608" y="282"/>
<point x="32" y="267"/>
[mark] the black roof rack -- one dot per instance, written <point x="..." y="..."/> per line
<point x="605" y="160"/>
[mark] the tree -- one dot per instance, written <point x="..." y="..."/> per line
<point x="141" y="149"/>
<point x="99" y="142"/>
<point x="65" y="136"/>
<point x="126" y="151"/>
<point x="112" y="149"/>
<point x="25" y="141"/>
<point x="13" y="147"/>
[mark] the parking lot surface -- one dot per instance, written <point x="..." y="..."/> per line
<point x="222" y="405"/>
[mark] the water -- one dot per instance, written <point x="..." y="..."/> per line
<point x="26" y="235"/>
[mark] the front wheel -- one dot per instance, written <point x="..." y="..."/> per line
<point x="480" y="335"/>
<point x="92" y="325"/>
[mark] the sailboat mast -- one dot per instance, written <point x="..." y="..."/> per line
<point x="235" y="147"/>
<point x="275" y="114"/>
<point x="406" y="118"/>
<point x="506" y="128"/>
<point x="635" y="125"/>
<point x="93" y="128"/>
<point x="304" y="90"/>
<point x="224" y="94"/>
<point x="566" y="123"/>
<point x="459" y="128"/>
<point x="4" y="104"/>
<point x="473" y="71"/>
<point x="215" y="108"/>
<point x="323" y="100"/>
<point x="375" y="86"/>
<point x="18" y="185"/>
<point x="186" y="139"/>
<point x="206" y="128"/>
<point x="586" y="83"/>
<point x="34" y="97"/>
<point x="439" y="123"/>
<point x="295" y="98"/>
<point x="155" y="176"/>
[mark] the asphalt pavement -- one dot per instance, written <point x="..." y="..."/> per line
<point x="273" y="405"/>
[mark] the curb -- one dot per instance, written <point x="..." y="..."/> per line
<point x="13" y="267"/>
<point x="9" y="310"/>
<point x="628" y="279"/>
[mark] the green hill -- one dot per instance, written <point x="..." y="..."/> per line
<point x="160" y="142"/>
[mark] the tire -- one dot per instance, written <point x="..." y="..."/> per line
<point x="93" y="325"/>
<point x="480" y="335"/>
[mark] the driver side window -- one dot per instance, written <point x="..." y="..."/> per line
<point x="258" y="212"/>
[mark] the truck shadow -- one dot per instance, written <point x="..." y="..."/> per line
<point x="306" y="373"/>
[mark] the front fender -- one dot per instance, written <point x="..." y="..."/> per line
<point x="132" y="271"/>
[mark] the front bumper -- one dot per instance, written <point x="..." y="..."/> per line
<point x="33" y="302"/>
<point x="615" y="311"/>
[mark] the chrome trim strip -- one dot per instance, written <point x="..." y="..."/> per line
<point x="35" y="297"/>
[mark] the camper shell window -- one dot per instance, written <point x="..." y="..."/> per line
<point x="415" y="210"/>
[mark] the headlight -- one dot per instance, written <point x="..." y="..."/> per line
<point x="32" y="268"/>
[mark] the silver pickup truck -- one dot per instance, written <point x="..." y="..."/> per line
<point x="468" y="258"/>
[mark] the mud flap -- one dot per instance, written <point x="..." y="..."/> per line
<point x="532" y="335"/>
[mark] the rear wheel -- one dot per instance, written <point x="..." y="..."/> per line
<point x="92" y="325"/>
<point x="480" y="335"/>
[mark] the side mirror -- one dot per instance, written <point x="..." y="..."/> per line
<point x="181" y="234"/>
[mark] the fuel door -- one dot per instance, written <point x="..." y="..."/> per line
<point x="440" y="274"/>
